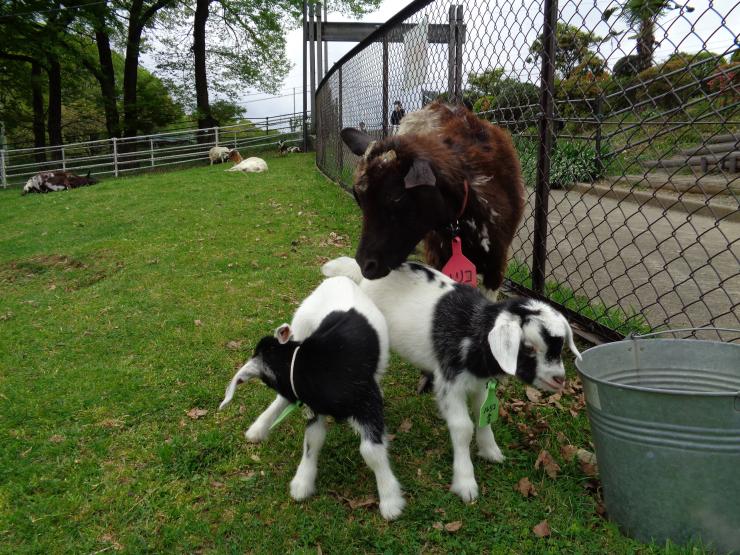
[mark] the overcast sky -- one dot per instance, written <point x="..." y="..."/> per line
<point x="499" y="34"/>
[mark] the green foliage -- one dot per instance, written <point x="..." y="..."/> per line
<point x="571" y="162"/>
<point x="628" y="66"/>
<point x="227" y="112"/>
<point x="572" y="48"/>
<point x="505" y="100"/>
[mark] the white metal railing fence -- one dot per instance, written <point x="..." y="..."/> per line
<point x="119" y="156"/>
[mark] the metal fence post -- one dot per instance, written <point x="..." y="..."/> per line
<point x="215" y="133"/>
<point x="542" y="191"/>
<point x="340" y="143"/>
<point x="458" y="54"/>
<point x="115" y="156"/>
<point x="267" y="125"/>
<point x="3" y="176"/>
<point x="385" y="85"/>
<point x="304" y="128"/>
<point x="151" y="151"/>
<point x="599" y="110"/>
<point x="64" y="159"/>
<point x="312" y="62"/>
<point x="451" y="45"/>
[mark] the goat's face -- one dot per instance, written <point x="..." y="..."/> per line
<point x="531" y="347"/>
<point x="400" y="202"/>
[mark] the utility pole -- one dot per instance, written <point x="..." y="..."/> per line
<point x="294" y="101"/>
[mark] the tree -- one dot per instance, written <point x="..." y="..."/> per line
<point x="642" y="17"/>
<point x="572" y="48"/>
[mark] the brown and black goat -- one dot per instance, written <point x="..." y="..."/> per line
<point x="58" y="180"/>
<point x="445" y="172"/>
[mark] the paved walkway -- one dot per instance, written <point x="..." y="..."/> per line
<point x="674" y="268"/>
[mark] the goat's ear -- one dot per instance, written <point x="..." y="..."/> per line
<point x="356" y="140"/>
<point x="420" y="174"/>
<point x="283" y="333"/>
<point x="504" y="340"/>
<point x="571" y="343"/>
<point x="249" y="370"/>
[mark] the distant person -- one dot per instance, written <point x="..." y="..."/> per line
<point x="397" y="115"/>
<point x="362" y="126"/>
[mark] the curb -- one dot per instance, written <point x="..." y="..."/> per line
<point x="664" y="202"/>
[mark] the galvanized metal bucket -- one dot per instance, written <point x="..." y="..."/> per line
<point x="665" y="418"/>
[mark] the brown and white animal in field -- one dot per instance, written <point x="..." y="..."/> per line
<point x="283" y="148"/>
<point x="58" y="180"/>
<point x="234" y="156"/>
<point x="250" y="165"/>
<point x="218" y="154"/>
<point x="444" y="168"/>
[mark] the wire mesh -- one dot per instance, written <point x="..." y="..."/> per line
<point x="639" y="211"/>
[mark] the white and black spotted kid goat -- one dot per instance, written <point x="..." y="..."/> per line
<point x="464" y="339"/>
<point x="331" y="359"/>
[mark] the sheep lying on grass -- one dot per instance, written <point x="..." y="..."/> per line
<point x="331" y="359"/>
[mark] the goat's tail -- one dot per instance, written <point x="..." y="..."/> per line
<point x="343" y="266"/>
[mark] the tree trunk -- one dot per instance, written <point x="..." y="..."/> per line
<point x="645" y="43"/>
<point x="107" y="80"/>
<point x="55" y="104"/>
<point x="205" y="118"/>
<point x="37" y="102"/>
<point x="130" y="70"/>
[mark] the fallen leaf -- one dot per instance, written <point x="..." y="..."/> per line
<point x="255" y="458"/>
<point x="440" y="511"/>
<point x="197" y="413"/>
<point x="589" y="469"/>
<point x="545" y="460"/>
<point x="532" y="394"/>
<point x="242" y="409"/>
<point x="110" y="423"/>
<point x="586" y="456"/>
<point x="438" y="526"/>
<point x="542" y="530"/>
<point x="52" y="287"/>
<point x="453" y="526"/>
<point x="198" y="322"/>
<point x="568" y="451"/>
<point x="592" y="486"/>
<point x="56" y="438"/>
<point x="405" y="425"/>
<point x="390" y="437"/>
<point x="234" y="345"/>
<point x="216" y="484"/>
<point x="526" y="488"/>
<point x="573" y="412"/>
<point x="601" y="510"/>
<point x="358" y="503"/>
<point x="561" y="437"/>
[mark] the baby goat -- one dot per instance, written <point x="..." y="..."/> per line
<point x="331" y="359"/>
<point x="457" y="333"/>
<point x="283" y="148"/>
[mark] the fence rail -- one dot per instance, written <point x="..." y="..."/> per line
<point x="121" y="156"/>
<point x="630" y="152"/>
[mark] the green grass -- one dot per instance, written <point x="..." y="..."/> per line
<point x="101" y="358"/>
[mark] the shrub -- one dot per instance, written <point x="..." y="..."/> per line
<point x="514" y="106"/>
<point x="628" y="66"/>
<point x="571" y="162"/>
<point x="725" y="82"/>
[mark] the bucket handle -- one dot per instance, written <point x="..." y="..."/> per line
<point x="633" y="335"/>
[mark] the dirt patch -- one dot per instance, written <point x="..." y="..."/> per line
<point x="60" y="270"/>
<point x="42" y="263"/>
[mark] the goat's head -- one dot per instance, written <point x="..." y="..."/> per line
<point x="270" y="363"/>
<point x="396" y="186"/>
<point x="527" y="341"/>
<point x="234" y="156"/>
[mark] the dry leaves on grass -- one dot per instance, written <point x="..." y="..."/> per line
<point x="587" y="462"/>
<point x="196" y="413"/>
<point x="545" y="460"/>
<point x="568" y="451"/>
<point x="405" y="425"/>
<point x="56" y="438"/>
<point x="542" y="530"/>
<point x="335" y="240"/>
<point x="453" y="526"/>
<point x="532" y="394"/>
<point x="526" y="488"/>
<point x="198" y="322"/>
<point x="234" y="345"/>
<point x="356" y="503"/>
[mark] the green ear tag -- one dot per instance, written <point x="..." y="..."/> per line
<point x="286" y="411"/>
<point x="489" y="408"/>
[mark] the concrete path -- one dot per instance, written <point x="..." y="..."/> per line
<point x="674" y="268"/>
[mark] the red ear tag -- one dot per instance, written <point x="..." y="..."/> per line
<point x="460" y="268"/>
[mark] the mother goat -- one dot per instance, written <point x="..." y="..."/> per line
<point x="445" y="172"/>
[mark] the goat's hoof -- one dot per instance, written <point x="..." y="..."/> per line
<point x="466" y="489"/>
<point x="392" y="508"/>
<point x="492" y="454"/>
<point x="300" y="489"/>
<point x="256" y="434"/>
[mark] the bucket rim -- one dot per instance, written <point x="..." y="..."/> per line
<point x="582" y="374"/>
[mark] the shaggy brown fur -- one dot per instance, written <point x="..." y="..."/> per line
<point x="403" y="202"/>
<point x="234" y="156"/>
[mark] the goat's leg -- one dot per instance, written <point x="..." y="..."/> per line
<point x="303" y="484"/>
<point x="452" y="401"/>
<point x="260" y="428"/>
<point x="374" y="450"/>
<point x="487" y="447"/>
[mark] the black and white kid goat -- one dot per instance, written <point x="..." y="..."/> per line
<point x="331" y="358"/>
<point x="464" y="339"/>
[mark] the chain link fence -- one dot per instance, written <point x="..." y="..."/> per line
<point x="118" y="157"/>
<point x="625" y="117"/>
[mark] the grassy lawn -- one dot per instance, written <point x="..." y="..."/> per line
<point x="126" y="305"/>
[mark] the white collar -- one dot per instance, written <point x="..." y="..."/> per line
<point x="292" y="365"/>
